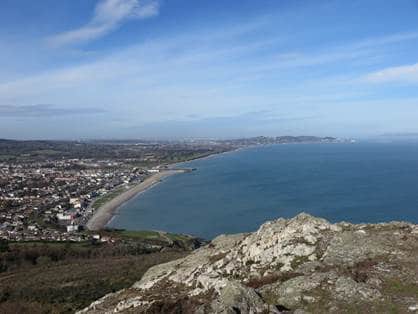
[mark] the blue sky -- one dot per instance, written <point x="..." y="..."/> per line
<point x="75" y="69"/>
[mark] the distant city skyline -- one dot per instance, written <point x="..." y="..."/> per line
<point x="75" y="69"/>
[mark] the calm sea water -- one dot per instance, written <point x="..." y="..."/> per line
<point x="237" y="191"/>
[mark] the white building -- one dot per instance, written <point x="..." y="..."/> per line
<point x="62" y="216"/>
<point x="72" y="228"/>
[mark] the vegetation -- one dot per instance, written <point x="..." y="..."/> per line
<point x="107" y="197"/>
<point x="153" y="237"/>
<point x="138" y="153"/>
<point x="56" y="277"/>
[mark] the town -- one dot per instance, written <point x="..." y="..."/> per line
<point x="49" y="190"/>
<point x="49" y="193"/>
<point x="52" y="200"/>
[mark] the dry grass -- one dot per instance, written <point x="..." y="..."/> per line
<point x="72" y="283"/>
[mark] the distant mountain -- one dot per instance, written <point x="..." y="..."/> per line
<point x="281" y="140"/>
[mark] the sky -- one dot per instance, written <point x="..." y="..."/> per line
<point x="83" y="69"/>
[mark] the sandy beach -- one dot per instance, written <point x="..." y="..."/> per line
<point x="105" y="212"/>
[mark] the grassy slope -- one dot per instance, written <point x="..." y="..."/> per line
<point x="52" y="277"/>
<point x="69" y="285"/>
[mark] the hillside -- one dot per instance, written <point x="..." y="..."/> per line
<point x="62" y="277"/>
<point x="301" y="265"/>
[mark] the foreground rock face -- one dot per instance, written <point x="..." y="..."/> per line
<point x="301" y="265"/>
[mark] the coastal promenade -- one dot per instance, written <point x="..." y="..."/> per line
<point x="105" y="212"/>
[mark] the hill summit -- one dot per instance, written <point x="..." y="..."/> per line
<point x="299" y="265"/>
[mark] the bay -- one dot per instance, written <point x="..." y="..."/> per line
<point x="237" y="191"/>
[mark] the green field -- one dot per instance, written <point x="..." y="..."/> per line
<point x="145" y="235"/>
<point x="108" y="196"/>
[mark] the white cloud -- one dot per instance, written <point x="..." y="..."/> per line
<point x="402" y="74"/>
<point x="108" y="15"/>
<point x="204" y="72"/>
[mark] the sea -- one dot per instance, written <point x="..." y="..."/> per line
<point x="237" y="191"/>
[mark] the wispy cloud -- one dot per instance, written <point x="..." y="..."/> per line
<point x="385" y="40"/>
<point x="44" y="110"/>
<point x="363" y="51"/>
<point x="108" y="15"/>
<point x="402" y="74"/>
<point x="205" y="73"/>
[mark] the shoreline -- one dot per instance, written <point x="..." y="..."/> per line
<point x="105" y="213"/>
<point x="172" y="166"/>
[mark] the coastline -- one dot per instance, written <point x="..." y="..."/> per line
<point x="104" y="214"/>
<point x="212" y="155"/>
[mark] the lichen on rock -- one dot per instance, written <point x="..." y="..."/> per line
<point x="300" y="265"/>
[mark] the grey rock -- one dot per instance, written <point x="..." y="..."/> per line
<point x="303" y="265"/>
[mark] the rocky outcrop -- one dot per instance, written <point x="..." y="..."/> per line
<point x="300" y="265"/>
